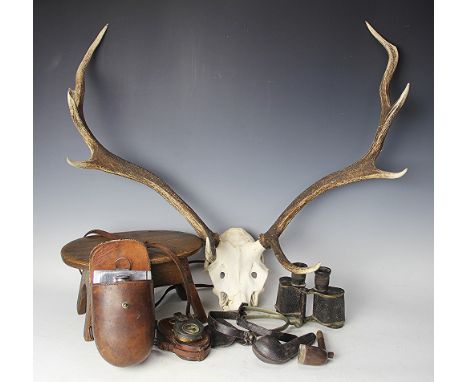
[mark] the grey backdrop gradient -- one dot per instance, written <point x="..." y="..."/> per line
<point x="239" y="106"/>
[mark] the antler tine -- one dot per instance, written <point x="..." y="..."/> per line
<point x="102" y="159"/>
<point x="365" y="168"/>
<point x="388" y="111"/>
<point x="75" y="98"/>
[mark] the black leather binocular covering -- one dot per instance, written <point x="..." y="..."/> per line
<point x="328" y="301"/>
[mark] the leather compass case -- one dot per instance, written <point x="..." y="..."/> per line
<point x="123" y="318"/>
<point x="184" y="336"/>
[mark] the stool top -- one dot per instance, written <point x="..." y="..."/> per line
<point x="76" y="253"/>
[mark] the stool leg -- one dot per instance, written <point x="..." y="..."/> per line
<point x="81" y="301"/>
<point x="87" y="332"/>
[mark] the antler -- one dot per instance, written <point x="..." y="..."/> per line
<point x="104" y="160"/>
<point x="363" y="169"/>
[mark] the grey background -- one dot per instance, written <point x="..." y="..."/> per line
<point x="240" y="105"/>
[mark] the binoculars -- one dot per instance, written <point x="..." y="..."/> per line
<point x="328" y="301"/>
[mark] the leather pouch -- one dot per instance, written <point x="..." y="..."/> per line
<point x="269" y="349"/>
<point x="123" y="320"/>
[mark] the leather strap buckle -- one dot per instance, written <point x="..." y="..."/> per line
<point x="248" y="338"/>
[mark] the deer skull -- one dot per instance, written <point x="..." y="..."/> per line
<point x="237" y="272"/>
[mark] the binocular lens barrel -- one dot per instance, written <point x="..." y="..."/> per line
<point x="298" y="280"/>
<point x="322" y="279"/>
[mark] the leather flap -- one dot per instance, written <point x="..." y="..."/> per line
<point x="123" y="253"/>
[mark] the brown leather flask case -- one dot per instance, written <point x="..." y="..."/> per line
<point x="123" y="319"/>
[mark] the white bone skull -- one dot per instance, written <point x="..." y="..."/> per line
<point x="238" y="272"/>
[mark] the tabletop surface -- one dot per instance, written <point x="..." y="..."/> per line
<point x="76" y="253"/>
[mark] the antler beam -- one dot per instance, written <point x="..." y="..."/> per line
<point x="365" y="168"/>
<point x="104" y="160"/>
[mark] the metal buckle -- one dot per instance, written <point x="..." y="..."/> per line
<point x="249" y="338"/>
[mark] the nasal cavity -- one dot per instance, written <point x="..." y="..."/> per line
<point x="224" y="297"/>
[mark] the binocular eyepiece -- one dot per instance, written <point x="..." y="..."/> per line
<point x="328" y="301"/>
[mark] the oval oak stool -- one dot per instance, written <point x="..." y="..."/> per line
<point x="164" y="272"/>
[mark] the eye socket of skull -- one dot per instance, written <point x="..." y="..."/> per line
<point x="222" y="275"/>
<point x="254" y="275"/>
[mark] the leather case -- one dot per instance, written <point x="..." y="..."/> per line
<point x="189" y="350"/>
<point x="123" y="320"/>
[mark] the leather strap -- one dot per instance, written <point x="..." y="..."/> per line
<point x="167" y="251"/>
<point x="100" y="232"/>
<point x="244" y="316"/>
<point x="225" y="333"/>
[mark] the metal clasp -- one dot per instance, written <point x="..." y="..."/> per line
<point x="249" y="338"/>
<point x="121" y="277"/>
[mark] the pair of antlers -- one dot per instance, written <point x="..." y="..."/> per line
<point x="363" y="169"/>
